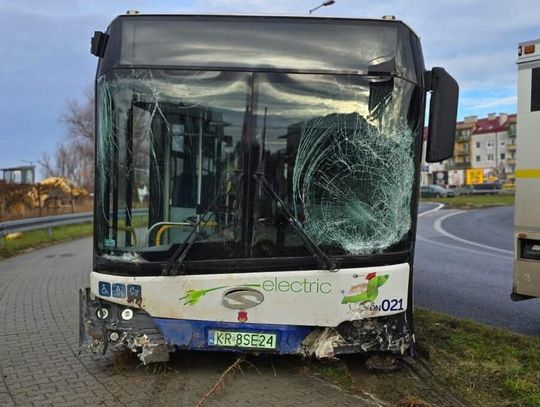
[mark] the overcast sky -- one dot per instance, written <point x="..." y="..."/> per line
<point x="45" y="59"/>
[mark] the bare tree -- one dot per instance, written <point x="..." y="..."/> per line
<point x="81" y="136"/>
<point x="74" y="157"/>
<point x="66" y="162"/>
<point x="80" y="119"/>
<point x="49" y="166"/>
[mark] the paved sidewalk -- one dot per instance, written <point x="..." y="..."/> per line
<point x="40" y="364"/>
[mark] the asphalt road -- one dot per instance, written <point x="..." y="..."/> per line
<point x="492" y="226"/>
<point x="463" y="267"/>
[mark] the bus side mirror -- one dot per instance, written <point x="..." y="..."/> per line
<point x="442" y="114"/>
<point x="98" y="44"/>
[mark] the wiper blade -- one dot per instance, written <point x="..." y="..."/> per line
<point x="174" y="264"/>
<point x="322" y="259"/>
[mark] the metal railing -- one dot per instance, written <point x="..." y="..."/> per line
<point x="24" y="225"/>
<point x="44" y="222"/>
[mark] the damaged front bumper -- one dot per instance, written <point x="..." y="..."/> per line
<point x="383" y="334"/>
<point x="105" y="325"/>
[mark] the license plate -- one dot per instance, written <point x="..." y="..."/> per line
<point x="232" y="339"/>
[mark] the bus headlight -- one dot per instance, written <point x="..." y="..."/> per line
<point x="127" y="314"/>
<point x="102" y="313"/>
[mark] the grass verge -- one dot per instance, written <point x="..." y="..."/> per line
<point x="41" y="238"/>
<point x="457" y="362"/>
<point x="488" y="366"/>
<point x="45" y="237"/>
<point x="474" y="201"/>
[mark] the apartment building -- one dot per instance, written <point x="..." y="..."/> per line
<point x="490" y="143"/>
<point x="462" y="148"/>
<point x="487" y="143"/>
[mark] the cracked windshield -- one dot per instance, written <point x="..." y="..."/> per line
<point x="223" y="158"/>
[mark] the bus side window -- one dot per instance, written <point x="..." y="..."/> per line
<point x="535" y="90"/>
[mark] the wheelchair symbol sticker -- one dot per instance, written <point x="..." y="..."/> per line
<point x="119" y="290"/>
<point x="104" y="289"/>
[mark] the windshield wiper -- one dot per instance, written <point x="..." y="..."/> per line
<point x="322" y="259"/>
<point x="174" y="263"/>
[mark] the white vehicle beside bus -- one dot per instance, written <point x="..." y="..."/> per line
<point x="280" y="159"/>
<point x="527" y="213"/>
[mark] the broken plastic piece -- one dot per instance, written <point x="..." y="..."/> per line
<point x="323" y="346"/>
<point x="384" y="334"/>
<point x="138" y="334"/>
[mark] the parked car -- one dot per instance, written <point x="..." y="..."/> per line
<point x="480" y="189"/>
<point x="435" y="191"/>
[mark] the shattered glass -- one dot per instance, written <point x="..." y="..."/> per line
<point x="337" y="149"/>
<point x="354" y="181"/>
<point x="163" y="154"/>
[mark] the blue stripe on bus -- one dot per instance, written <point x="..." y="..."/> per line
<point x="190" y="334"/>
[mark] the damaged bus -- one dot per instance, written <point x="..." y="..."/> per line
<point x="257" y="184"/>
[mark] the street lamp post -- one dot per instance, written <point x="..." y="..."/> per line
<point x="325" y="4"/>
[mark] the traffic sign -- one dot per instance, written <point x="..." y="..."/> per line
<point x="474" y="176"/>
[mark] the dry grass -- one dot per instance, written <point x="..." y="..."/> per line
<point x="488" y="366"/>
<point x="413" y="401"/>
<point x="458" y="362"/>
<point x="43" y="237"/>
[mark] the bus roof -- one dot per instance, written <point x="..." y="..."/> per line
<point x="135" y="13"/>
<point x="304" y="44"/>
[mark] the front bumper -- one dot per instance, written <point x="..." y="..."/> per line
<point x="102" y="326"/>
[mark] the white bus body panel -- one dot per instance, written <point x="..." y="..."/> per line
<point x="527" y="203"/>
<point x="309" y="298"/>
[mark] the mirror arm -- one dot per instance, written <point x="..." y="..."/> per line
<point x="427" y="80"/>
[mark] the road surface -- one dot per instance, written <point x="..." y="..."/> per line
<point x="463" y="267"/>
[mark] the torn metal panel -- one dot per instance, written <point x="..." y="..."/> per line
<point x="92" y="330"/>
<point x="392" y="333"/>
<point x="103" y="325"/>
<point x="383" y="334"/>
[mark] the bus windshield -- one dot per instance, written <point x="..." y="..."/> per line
<point x="182" y="154"/>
